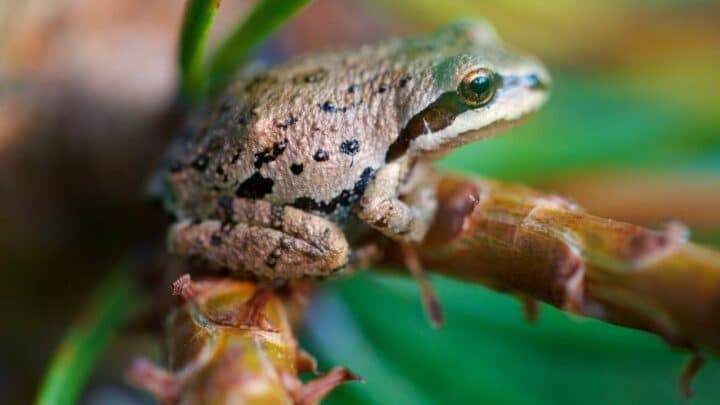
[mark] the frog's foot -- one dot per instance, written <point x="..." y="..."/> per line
<point x="267" y="240"/>
<point x="430" y="300"/>
<point x="401" y="220"/>
<point x="690" y="370"/>
<point x="315" y="390"/>
<point x="184" y="287"/>
<point x="530" y="307"/>
<point x="254" y="311"/>
<point x="161" y="383"/>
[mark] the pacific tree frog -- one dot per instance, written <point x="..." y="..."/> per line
<point x="290" y="165"/>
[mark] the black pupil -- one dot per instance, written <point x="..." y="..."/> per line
<point x="480" y="85"/>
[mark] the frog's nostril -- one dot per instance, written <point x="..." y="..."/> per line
<point x="532" y="81"/>
<point x="535" y="82"/>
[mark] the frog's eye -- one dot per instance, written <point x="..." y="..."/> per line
<point x="477" y="87"/>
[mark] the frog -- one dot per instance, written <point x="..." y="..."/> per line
<point x="285" y="170"/>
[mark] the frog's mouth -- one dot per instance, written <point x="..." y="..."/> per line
<point x="449" y="122"/>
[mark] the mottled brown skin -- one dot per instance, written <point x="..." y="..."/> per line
<point x="334" y="137"/>
<point x="290" y="239"/>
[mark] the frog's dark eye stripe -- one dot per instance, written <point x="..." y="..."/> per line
<point x="477" y="87"/>
<point x="433" y="118"/>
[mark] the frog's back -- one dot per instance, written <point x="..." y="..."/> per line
<point x="309" y="133"/>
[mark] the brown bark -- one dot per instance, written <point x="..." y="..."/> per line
<point x="514" y="239"/>
<point x="232" y="342"/>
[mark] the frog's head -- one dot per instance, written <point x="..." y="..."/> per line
<point x="474" y="87"/>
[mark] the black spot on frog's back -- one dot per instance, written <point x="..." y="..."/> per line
<point x="340" y="205"/>
<point x="225" y="210"/>
<point x="328" y="106"/>
<point x="260" y="82"/>
<point x="315" y="76"/>
<point x="256" y="186"/>
<point x="272" y="258"/>
<point x="350" y="147"/>
<point x="309" y="204"/>
<point x="245" y="117"/>
<point x="269" y="154"/>
<point x="200" y="163"/>
<point x="292" y="120"/>
<point x="321" y="155"/>
<point x="296" y="168"/>
<point x="361" y="185"/>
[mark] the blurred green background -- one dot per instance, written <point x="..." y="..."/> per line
<point x="631" y="132"/>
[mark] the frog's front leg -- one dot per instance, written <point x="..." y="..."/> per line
<point x="405" y="220"/>
<point x="262" y="238"/>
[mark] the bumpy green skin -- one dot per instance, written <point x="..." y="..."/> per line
<point x="335" y="136"/>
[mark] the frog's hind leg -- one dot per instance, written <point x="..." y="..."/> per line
<point x="267" y="240"/>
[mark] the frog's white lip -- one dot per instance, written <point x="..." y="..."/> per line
<point x="519" y="97"/>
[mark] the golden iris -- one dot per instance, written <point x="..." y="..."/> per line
<point x="478" y="87"/>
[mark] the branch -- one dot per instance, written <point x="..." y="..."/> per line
<point x="232" y="342"/>
<point x="514" y="239"/>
